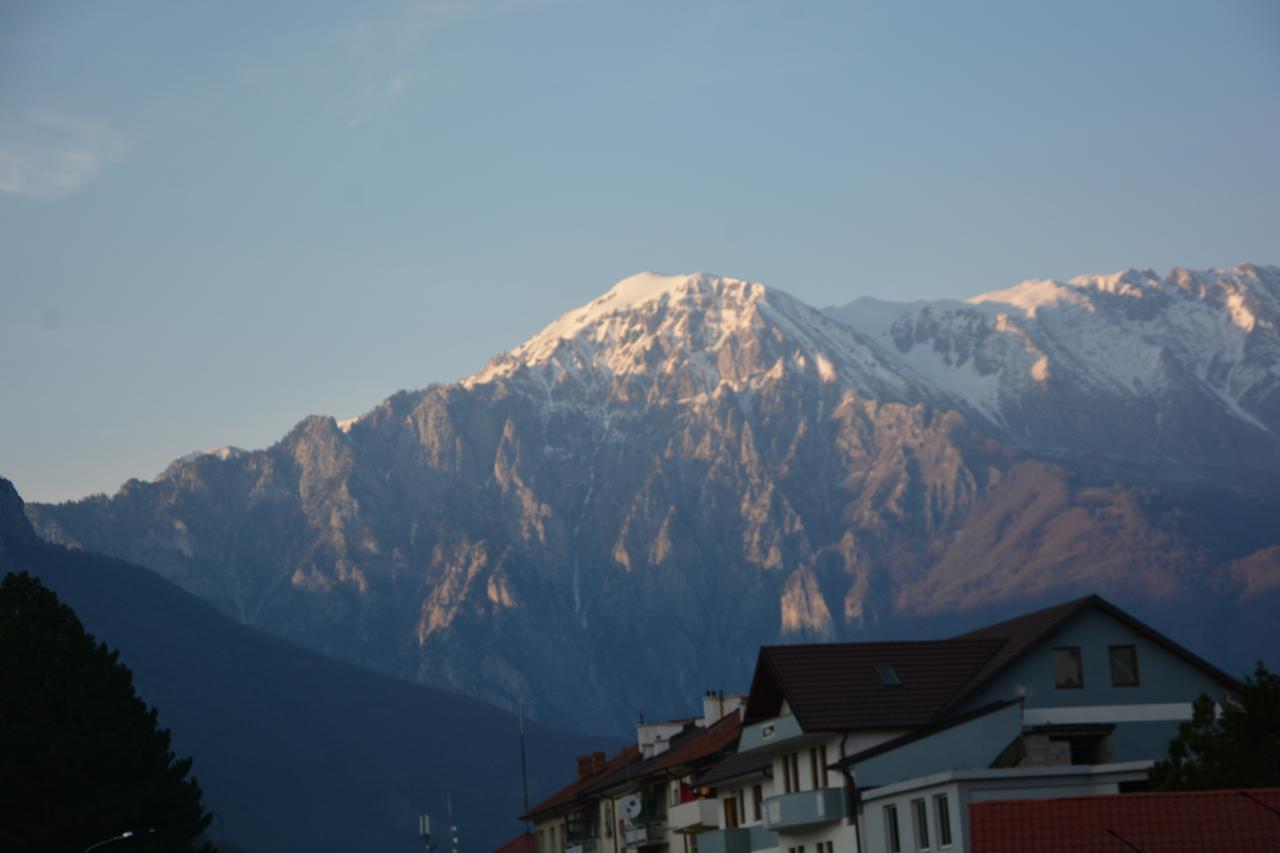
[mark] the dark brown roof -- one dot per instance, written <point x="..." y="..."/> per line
<point x="837" y="687"/>
<point x="690" y="748"/>
<point x="570" y="793"/>
<point x="736" y="765"/>
<point x="1026" y="631"/>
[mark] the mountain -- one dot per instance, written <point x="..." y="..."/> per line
<point x="1159" y="378"/>
<point x="614" y="515"/>
<point x="295" y="751"/>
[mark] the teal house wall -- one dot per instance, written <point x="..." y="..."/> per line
<point x="1164" y="678"/>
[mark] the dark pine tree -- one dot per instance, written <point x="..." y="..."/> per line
<point x="81" y="757"/>
<point x="1234" y="746"/>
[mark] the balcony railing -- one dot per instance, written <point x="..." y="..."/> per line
<point x="645" y="834"/>
<point x="694" y="816"/>
<point x="583" y="845"/>
<point x="742" y="839"/>
<point x="804" y="808"/>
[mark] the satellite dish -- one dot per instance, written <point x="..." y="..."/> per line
<point x="631" y="806"/>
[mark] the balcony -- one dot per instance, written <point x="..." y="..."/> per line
<point x="804" y="808"/>
<point x="743" y="839"/>
<point x="583" y="845"/>
<point x="769" y="732"/>
<point x="694" y="816"/>
<point x="645" y="834"/>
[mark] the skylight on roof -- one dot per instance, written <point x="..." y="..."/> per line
<point x="888" y="677"/>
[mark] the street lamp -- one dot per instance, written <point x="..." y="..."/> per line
<point x="121" y="837"/>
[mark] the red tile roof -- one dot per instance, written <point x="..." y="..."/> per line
<point x="693" y="747"/>
<point x="522" y="843"/>
<point x="1191" y="822"/>
<point x="569" y="793"/>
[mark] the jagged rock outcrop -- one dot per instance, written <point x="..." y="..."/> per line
<point x="615" y="515"/>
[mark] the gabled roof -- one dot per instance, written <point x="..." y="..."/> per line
<point x="1022" y="633"/>
<point x="735" y="766"/>
<point x="571" y="793"/>
<point x="837" y="687"/>
<point x="692" y="747"/>
<point x="1180" y="822"/>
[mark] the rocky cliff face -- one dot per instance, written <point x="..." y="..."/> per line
<point x="614" y="515"/>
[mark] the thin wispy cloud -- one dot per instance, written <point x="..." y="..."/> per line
<point x="380" y="50"/>
<point x="46" y="157"/>
<point x="391" y="93"/>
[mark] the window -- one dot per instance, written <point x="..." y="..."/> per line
<point x="920" y="822"/>
<point x="757" y="799"/>
<point x="1067" y="672"/>
<point x="818" y="766"/>
<point x="942" y="815"/>
<point x="1124" y="666"/>
<point x="888" y="677"/>
<point x="741" y="799"/>
<point x="692" y="841"/>
<point x="791" y="772"/>
<point x="891" y="829"/>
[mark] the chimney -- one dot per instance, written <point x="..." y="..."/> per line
<point x="597" y="761"/>
<point x="584" y="766"/>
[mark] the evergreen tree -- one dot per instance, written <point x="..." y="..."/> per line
<point x="1237" y="748"/>
<point x="81" y="757"/>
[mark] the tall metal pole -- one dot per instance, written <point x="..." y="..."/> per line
<point x="453" y="827"/>
<point x="524" y="773"/>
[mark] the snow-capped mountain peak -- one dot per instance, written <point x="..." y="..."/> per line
<point x="707" y="330"/>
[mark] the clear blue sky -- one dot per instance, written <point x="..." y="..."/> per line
<point x="216" y="218"/>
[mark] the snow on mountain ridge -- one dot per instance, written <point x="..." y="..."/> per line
<point x="718" y="331"/>
<point x="1129" y="335"/>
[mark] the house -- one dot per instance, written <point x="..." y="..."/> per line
<point x="571" y="820"/>
<point x="886" y="747"/>
<point x="642" y="798"/>
<point x="1181" y="822"/>
<point x="882" y="746"/>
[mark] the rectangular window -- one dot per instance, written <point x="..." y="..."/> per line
<point x="813" y="768"/>
<point x="822" y="772"/>
<point x="942" y="815"/>
<point x="1067" y="671"/>
<point x="791" y="772"/>
<point x="920" y="822"/>
<point x="730" y="813"/>
<point x="891" y="829"/>
<point x="1124" y="666"/>
<point x="742" y="807"/>
<point x="757" y="798"/>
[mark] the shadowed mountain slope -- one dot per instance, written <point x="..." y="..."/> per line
<point x="294" y="750"/>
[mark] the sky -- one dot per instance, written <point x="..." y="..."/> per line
<point x="218" y="218"/>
